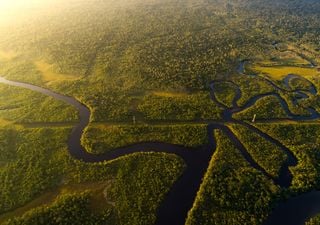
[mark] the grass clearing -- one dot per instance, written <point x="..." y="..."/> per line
<point x="169" y="94"/>
<point x="7" y="55"/>
<point x="4" y="123"/>
<point x="48" y="75"/>
<point x="279" y="72"/>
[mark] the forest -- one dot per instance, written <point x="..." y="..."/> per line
<point x="192" y="74"/>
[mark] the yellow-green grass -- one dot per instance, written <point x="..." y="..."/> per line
<point x="169" y="94"/>
<point x="9" y="124"/>
<point x="98" y="201"/>
<point x="4" y="123"/>
<point x="48" y="75"/>
<point x="279" y="72"/>
<point x="7" y="55"/>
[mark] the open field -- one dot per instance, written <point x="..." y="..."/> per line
<point x="169" y="94"/>
<point x="279" y="72"/>
<point x="7" y="55"/>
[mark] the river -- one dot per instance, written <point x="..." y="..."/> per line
<point x="179" y="200"/>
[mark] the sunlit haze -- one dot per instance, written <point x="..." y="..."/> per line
<point x="11" y="4"/>
<point x="13" y="10"/>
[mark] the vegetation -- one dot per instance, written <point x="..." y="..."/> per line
<point x="232" y="192"/>
<point x="99" y="139"/>
<point x="251" y="86"/>
<point x="67" y="209"/>
<point x="144" y="69"/>
<point x="296" y="105"/>
<point x="314" y="221"/>
<point x="279" y="72"/>
<point x="25" y="106"/>
<point x="191" y="107"/>
<point x="133" y="196"/>
<point x="266" y="154"/>
<point x="31" y="164"/>
<point x="268" y="107"/>
<point x="302" y="84"/>
<point x="303" y="140"/>
<point x="225" y="92"/>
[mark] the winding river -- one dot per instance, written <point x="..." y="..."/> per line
<point x="179" y="200"/>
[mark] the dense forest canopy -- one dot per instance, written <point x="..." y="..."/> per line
<point x="167" y="44"/>
<point x="158" y="71"/>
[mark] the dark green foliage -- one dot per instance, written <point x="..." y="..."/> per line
<point x="303" y="140"/>
<point x="33" y="165"/>
<point x="314" y="221"/>
<point x="225" y="93"/>
<point x="102" y="139"/>
<point x="39" y="162"/>
<point x="109" y="106"/>
<point x="121" y="52"/>
<point x="266" y="154"/>
<point x="25" y="106"/>
<point x="8" y="141"/>
<point x="301" y="84"/>
<point x="190" y="107"/>
<point x="297" y="109"/>
<point x="66" y="210"/>
<point x="265" y="108"/>
<point x="141" y="185"/>
<point x="232" y="192"/>
<point x="250" y="87"/>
